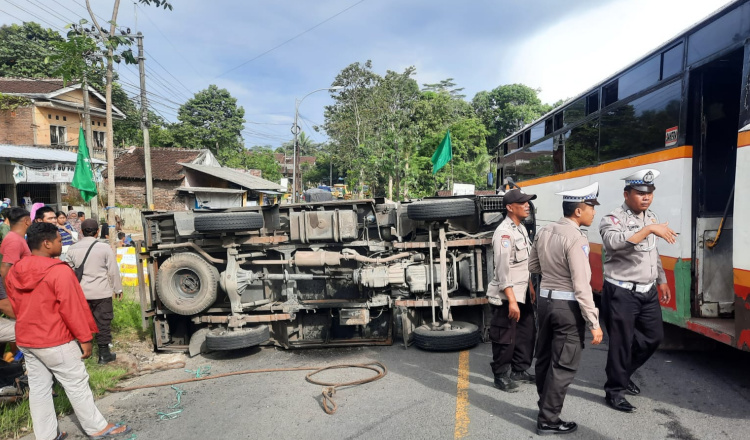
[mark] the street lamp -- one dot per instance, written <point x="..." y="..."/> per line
<point x="296" y="130"/>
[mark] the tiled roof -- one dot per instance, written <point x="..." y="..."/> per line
<point x="165" y="163"/>
<point x="31" y="86"/>
<point x="289" y="160"/>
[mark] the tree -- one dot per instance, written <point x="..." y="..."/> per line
<point x="263" y="159"/>
<point x="212" y="120"/>
<point x="23" y="49"/>
<point x="506" y="109"/>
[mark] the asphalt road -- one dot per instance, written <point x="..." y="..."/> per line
<point x="686" y="395"/>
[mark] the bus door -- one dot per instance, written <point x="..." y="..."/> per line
<point x="713" y="119"/>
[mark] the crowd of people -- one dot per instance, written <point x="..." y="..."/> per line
<point x="634" y="286"/>
<point x="57" y="283"/>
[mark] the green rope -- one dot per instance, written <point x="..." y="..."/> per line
<point x="174" y="414"/>
<point x="200" y="372"/>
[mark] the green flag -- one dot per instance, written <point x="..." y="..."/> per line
<point x="443" y="154"/>
<point x="83" y="178"/>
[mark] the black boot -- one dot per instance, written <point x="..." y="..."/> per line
<point x="105" y="356"/>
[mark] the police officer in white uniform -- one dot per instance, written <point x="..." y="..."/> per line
<point x="632" y="272"/>
<point x="566" y="305"/>
<point x="512" y="329"/>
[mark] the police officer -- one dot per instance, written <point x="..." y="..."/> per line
<point x="632" y="272"/>
<point x="566" y="304"/>
<point x="512" y="329"/>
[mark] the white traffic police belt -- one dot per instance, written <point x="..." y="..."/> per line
<point x="556" y="294"/>
<point x="633" y="287"/>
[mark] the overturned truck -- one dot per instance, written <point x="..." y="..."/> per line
<point x="320" y="274"/>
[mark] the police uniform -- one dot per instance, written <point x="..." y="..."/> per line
<point x="565" y="307"/>
<point x="630" y="306"/>
<point x="512" y="342"/>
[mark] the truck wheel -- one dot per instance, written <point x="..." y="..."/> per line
<point x="461" y="335"/>
<point x="225" y="339"/>
<point x="228" y="221"/>
<point x="440" y="209"/>
<point x="187" y="284"/>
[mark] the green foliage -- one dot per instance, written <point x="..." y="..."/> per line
<point x="24" y="47"/>
<point x="506" y="109"/>
<point x="263" y="159"/>
<point x="10" y="102"/>
<point x="76" y="58"/>
<point x="212" y="120"/>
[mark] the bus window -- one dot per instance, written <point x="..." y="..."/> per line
<point x="558" y="120"/>
<point x="548" y="126"/>
<point x="535" y="161"/>
<point x="609" y="94"/>
<point x="526" y="137"/>
<point x="537" y="132"/>
<point x="575" y="112"/>
<point x="512" y="145"/>
<point x="639" y="78"/>
<point x="671" y="61"/>
<point x="640" y="126"/>
<point x="592" y="103"/>
<point x="581" y="145"/>
<point x="731" y="28"/>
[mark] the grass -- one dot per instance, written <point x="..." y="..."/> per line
<point x="15" y="418"/>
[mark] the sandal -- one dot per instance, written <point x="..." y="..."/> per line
<point x="108" y="433"/>
<point x="61" y="435"/>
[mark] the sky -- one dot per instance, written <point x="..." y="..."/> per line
<point x="270" y="53"/>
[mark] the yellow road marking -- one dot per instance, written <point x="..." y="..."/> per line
<point x="462" y="397"/>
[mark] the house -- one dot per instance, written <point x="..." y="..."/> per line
<point x="188" y="179"/>
<point x="287" y="165"/>
<point x="39" y="137"/>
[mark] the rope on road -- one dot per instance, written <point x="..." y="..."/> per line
<point x="329" y="406"/>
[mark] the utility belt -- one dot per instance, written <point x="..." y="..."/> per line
<point x="557" y="294"/>
<point x="633" y="287"/>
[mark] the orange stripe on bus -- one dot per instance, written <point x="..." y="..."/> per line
<point x="684" y="152"/>
<point x="743" y="139"/>
<point x="742" y="283"/>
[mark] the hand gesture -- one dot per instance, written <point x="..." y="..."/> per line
<point x="598" y="335"/>
<point x="663" y="230"/>
<point x="87" y="348"/>
<point x="665" y="293"/>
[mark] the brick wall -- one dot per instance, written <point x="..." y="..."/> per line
<point x="16" y="126"/>
<point x="133" y="192"/>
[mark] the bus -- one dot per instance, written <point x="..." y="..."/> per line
<point x="684" y="109"/>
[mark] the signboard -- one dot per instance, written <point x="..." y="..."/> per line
<point x="463" y="189"/>
<point x="670" y="139"/>
<point x="53" y="173"/>
<point x="128" y="267"/>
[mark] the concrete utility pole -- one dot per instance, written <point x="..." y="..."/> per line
<point x="94" y="202"/>
<point x="145" y="124"/>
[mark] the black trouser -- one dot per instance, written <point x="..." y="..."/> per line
<point x="103" y="314"/>
<point x="635" y="330"/>
<point x="512" y="342"/>
<point x="558" y="352"/>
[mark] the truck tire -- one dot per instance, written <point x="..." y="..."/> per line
<point x="461" y="335"/>
<point x="228" y="221"/>
<point x="440" y="209"/>
<point x="187" y="284"/>
<point x="225" y="339"/>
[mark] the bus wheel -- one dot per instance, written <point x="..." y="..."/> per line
<point x="187" y="284"/>
<point x="228" y="221"/>
<point x="458" y="336"/>
<point x="226" y="339"/>
<point x="440" y="209"/>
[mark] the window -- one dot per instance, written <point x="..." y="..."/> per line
<point x="575" y="112"/>
<point x="558" y="120"/>
<point x="592" y="103"/>
<point x="537" y="132"/>
<point x="581" y="145"/>
<point x="57" y="135"/>
<point x="526" y="137"/>
<point x="535" y="161"/>
<point x="512" y="144"/>
<point x="640" y="126"/>
<point x="609" y="94"/>
<point x="65" y="118"/>
<point x="671" y="61"/>
<point x="504" y="149"/>
<point x="732" y="28"/>
<point x="639" y="78"/>
<point x="519" y="141"/>
<point x="99" y="139"/>
<point x="548" y="126"/>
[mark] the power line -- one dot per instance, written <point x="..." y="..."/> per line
<point x="291" y="39"/>
<point x="33" y="15"/>
<point x="50" y="11"/>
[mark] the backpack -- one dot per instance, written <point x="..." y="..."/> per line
<point x="79" y="270"/>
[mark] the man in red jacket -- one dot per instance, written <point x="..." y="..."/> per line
<point x="51" y="313"/>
